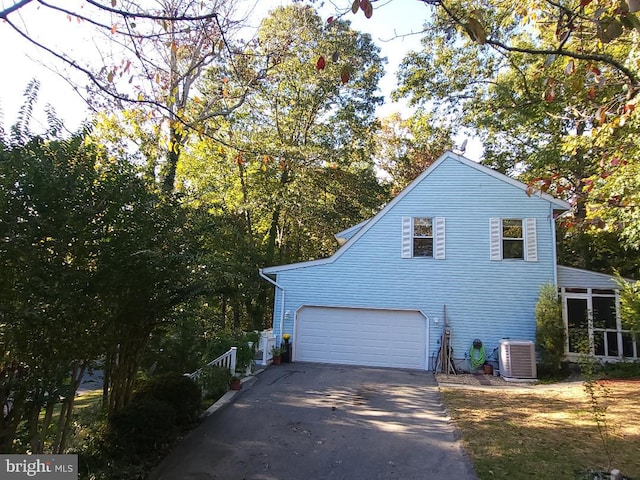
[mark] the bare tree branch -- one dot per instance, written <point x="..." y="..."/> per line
<point x="17" y="6"/>
<point x="150" y="16"/>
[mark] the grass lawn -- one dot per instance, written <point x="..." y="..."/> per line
<point x="89" y="398"/>
<point x="547" y="431"/>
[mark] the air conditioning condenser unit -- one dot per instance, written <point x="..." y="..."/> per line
<point x="517" y="359"/>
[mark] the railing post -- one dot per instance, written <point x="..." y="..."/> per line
<point x="232" y="366"/>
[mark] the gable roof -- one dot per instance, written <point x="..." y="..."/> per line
<point x="362" y="227"/>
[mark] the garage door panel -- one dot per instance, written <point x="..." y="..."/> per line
<point x="355" y="336"/>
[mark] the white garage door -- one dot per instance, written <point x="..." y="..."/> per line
<point x="356" y="336"/>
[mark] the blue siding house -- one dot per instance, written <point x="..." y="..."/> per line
<point x="462" y="248"/>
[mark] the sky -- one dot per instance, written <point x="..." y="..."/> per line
<point x="391" y="28"/>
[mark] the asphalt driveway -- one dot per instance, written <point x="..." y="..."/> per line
<point x="314" y="422"/>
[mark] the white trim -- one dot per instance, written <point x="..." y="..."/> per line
<point x="439" y="238"/>
<point x="282" y="300"/>
<point x="588" y="297"/>
<point x="530" y="240"/>
<point x="554" y="252"/>
<point x="407" y="237"/>
<point x="495" y="239"/>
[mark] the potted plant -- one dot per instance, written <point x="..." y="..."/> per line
<point x="235" y="383"/>
<point x="285" y="348"/>
<point x="275" y="355"/>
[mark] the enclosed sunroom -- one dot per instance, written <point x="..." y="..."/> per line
<point x="591" y="310"/>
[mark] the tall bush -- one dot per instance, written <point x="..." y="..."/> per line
<point x="141" y="427"/>
<point x="177" y="390"/>
<point x="550" y="333"/>
<point x="629" y="304"/>
<point x="214" y="382"/>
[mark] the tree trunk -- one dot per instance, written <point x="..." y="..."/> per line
<point x="223" y="310"/>
<point x="9" y="424"/>
<point x="106" y="379"/>
<point x="123" y="375"/>
<point x="66" y="414"/>
<point x="176" y="140"/>
<point x="33" y="417"/>
<point x="235" y="306"/>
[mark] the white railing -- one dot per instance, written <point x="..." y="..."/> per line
<point x="267" y="342"/>
<point x="226" y="360"/>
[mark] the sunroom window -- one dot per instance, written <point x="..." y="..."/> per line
<point x="594" y="326"/>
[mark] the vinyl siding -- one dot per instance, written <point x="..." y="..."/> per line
<point x="484" y="299"/>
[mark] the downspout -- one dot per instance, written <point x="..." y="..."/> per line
<point x="273" y="282"/>
<point x="555" y="247"/>
<point x="555" y="243"/>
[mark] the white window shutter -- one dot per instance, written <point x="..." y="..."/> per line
<point x="494" y="239"/>
<point x="439" y="235"/>
<point x="531" y="240"/>
<point x="407" y="237"/>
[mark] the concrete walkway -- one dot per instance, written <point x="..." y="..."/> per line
<point x="315" y="422"/>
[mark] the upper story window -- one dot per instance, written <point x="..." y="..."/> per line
<point x="513" y="239"/>
<point x="423" y="237"/>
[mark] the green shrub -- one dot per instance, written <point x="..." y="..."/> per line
<point x="550" y="333"/>
<point x="214" y="381"/>
<point x="179" y="391"/>
<point x="622" y="370"/>
<point x="141" y="427"/>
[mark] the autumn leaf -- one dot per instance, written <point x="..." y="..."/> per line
<point x="367" y="8"/>
<point x="321" y="63"/>
<point x="345" y="74"/>
<point x="591" y="93"/>
<point x="609" y="30"/>
<point x="570" y="68"/>
<point x="114" y="29"/>
<point x="329" y="20"/>
<point x="114" y="3"/>
<point x="355" y="6"/>
<point x="476" y="31"/>
<point x="551" y="95"/>
<point x="584" y="3"/>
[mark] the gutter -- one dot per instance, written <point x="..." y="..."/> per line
<point x="274" y="283"/>
<point x="555" y="242"/>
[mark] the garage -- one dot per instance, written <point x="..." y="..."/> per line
<point x="360" y="336"/>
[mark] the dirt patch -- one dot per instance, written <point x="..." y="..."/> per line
<point x="472" y="379"/>
<point x="544" y="431"/>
